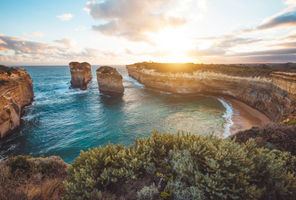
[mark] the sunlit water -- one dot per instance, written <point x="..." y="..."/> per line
<point x="63" y="121"/>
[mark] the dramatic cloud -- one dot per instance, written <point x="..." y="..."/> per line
<point x="65" y="17"/>
<point x="286" y="18"/>
<point x="132" y="18"/>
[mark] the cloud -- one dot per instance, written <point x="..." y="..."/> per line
<point x="286" y="18"/>
<point x="23" y="46"/>
<point x="34" y="34"/>
<point x="20" y="50"/>
<point x="291" y="3"/>
<point x="221" y="45"/>
<point x="65" y="17"/>
<point x="131" y="19"/>
<point x="274" y="52"/>
<point x="69" y="43"/>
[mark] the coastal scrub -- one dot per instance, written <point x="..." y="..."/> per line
<point x="182" y="166"/>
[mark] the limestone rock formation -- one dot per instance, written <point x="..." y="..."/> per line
<point x="24" y="177"/>
<point x="109" y="81"/>
<point x="80" y="74"/>
<point x="269" y="88"/>
<point x="16" y="92"/>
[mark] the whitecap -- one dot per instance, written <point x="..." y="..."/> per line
<point x="228" y="118"/>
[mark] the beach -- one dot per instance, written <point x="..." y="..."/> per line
<point x="243" y="116"/>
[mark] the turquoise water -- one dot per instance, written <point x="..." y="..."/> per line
<point x="63" y="121"/>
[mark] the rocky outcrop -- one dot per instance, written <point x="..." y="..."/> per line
<point x="27" y="178"/>
<point x="80" y="74"/>
<point x="266" y="89"/>
<point x="16" y="92"/>
<point x="109" y="81"/>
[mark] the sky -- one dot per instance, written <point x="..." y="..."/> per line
<point x="55" y="32"/>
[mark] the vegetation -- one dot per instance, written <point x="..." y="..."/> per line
<point x="231" y="69"/>
<point x="25" y="177"/>
<point x="273" y="136"/>
<point x="183" y="166"/>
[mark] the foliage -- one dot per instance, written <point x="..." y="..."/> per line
<point x="272" y="136"/>
<point x="186" y="166"/>
<point x="231" y="69"/>
<point x="148" y="192"/>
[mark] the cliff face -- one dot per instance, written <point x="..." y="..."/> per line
<point x="27" y="178"/>
<point x="80" y="74"/>
<point x="109" y="81"/>
<point x="272" y="93"/>
<point x="16" y="92"/>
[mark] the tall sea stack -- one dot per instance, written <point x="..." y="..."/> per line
<point x="16" y="92"/>
<point x="109" y="81"/>
<point x="80" y="74"/>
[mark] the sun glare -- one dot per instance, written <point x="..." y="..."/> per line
<point x="175" y="43"/>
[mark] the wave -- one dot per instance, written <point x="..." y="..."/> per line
<point x="129" y="79"/>
<point x="228" y="118"/>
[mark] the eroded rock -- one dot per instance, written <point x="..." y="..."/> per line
<point x="80" y="74"/>
<point x="109" y="81"/>
<point x="16" y="92"/>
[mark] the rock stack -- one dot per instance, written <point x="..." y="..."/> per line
<point x="80" y="74"/>
<point x="109" y="81"/>
<point x="16" y="92"/>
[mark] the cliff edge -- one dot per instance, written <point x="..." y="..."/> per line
<point x="16" y="92"/>
<point x="271" y="89"/>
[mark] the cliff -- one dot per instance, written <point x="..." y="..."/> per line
<point x="80" y="74"/>
<point x="16" y="92"/>
<point x="109" y="81"/>
<point x="267" y="88"/>
<point x="27" y="178"/>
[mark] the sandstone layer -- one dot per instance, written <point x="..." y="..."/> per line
<point x="80" y="74"/>
<point x="109" y="81"/>
<point x="16" y="92"/>
<point x="269" y="89"/>
<point x="27" y="178"/>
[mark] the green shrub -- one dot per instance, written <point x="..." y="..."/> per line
<point x="186" y="166"/>
<point x="181" y="191"/>
<point x="148" y="192"/>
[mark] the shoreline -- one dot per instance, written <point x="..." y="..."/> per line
<point x="243" y="117"/>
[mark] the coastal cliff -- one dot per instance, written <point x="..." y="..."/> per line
<point x="109" y="81"/>
<point x="266" y="88"/>
<point x="16" y="92"/>
<point x="80" y="74"/>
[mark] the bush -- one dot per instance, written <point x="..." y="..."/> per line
<point x="148" y="192"/>
<point x="272" y="136"/>
<point x="186" y="166"/>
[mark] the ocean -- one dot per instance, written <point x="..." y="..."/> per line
<point x="64" y="121"/>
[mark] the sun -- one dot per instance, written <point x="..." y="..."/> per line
<point x="175" y="43"/>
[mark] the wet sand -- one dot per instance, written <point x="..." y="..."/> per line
<point x="244" y="117"/>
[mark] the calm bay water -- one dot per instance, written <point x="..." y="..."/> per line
<point x="63" y="121"/>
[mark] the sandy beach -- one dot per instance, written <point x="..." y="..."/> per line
<point x="244" y="117"/>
